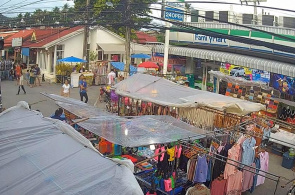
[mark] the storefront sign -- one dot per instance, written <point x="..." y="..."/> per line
<point x="283" y="83"/>
<point x="247" y="73"/>
<point x="209" y="39"/>
<point x="17" y="42"/>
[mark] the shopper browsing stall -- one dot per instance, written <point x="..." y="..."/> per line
<point x="83" y="88"/>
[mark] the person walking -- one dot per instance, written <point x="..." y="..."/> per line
<point x="27" y="77"/>
<point x="83" y="89"/>
<point x="65" y="91"/>
<point x="111" y="77"/>
<point x="38" y="74"/>
<point x="21" y="83"/>
<point x="18" y="71"/>
<point x="32" y="77"/>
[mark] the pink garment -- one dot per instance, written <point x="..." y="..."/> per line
<point x="218" y="187"/>
<point x="264" y="158"/>
<point x="234" y="184"/>
<point x="248" y="177"/>
<point x="233" y="154"/>
<point x="241" y="141"/>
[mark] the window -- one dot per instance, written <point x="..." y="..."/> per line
<point x="59" y="52"/>
<point x="100" y="55"/>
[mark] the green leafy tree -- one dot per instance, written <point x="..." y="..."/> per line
<point x="115" y="17"/>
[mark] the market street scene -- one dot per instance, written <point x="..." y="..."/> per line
<point x="147" y="97"/>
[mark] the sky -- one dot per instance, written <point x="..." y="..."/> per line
<point x="10" y="7"/>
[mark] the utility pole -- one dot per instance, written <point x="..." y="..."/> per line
<point x="166" y="45"/>
<point x="127" y="39"/>
<point x="86" y="36"/>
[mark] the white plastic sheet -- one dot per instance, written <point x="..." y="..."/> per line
<point x="39" y="156"/>
<point x="163" y="92"/>
<point x="141" y="131"/>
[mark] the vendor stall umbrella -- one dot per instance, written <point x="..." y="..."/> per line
<point x="141" y="55"/>
<point x="148" y="65"/>
<point x="72" y="59"/>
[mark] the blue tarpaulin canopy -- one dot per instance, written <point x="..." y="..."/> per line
<point x="71" y="59"/>
<point x="141" y="55"/>
<point x="120" y="66"/>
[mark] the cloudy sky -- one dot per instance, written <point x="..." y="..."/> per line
<point x="11" y="7"/>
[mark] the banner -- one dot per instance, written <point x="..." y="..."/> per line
<point x="245" y="72"/>
<point x="283" y="83"/>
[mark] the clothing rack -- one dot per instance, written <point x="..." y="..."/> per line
<point x="187" y="145"/>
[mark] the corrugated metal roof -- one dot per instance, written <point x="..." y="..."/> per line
<point x="237" y="59"/>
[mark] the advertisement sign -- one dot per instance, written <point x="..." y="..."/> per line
<point x="199" y="38"/>
<point x="283" y="83"/>
<point x="17" y="42"/>
<point x="174" y="14"/>
<point x="247" y="73"/>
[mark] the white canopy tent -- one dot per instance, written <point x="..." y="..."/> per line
<point x="164" y="92"/>
<point x="45" y="156"/>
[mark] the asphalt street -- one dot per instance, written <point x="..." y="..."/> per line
<point x="47" y="107"/>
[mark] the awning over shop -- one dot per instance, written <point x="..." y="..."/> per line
<point x="141" y="131"/>
<point x="84" y="111"/>
<point x="163" y="92"/>
<point x="120" y="66"/>
<point x="120" y="48"/>
<point x="242" y="60"/>
<point x="48" y="156"/>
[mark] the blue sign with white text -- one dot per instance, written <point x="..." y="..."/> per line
<point x="174" y="14"/>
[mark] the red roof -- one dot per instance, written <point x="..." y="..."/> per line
<point x="5" y="35"/>
<point x="143" y="37"/>
<point x="23" y="33"/>
<point x="43" y="38"/>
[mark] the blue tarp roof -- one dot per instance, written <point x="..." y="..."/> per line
<point x="141" y="55"/>
<point x="120" y="66"/>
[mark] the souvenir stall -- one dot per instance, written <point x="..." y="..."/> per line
<point x="149" y="95"/>
<point x="5" y="67"/>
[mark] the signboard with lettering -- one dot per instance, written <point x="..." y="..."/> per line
<point x="174" y="14"/>
<point x="17" y="42"/>
<point x="209" y="40"/>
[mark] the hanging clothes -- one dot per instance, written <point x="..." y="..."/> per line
<point x="233" y="154"/>
<point x="248" y="153"/>
<point x="191" y="168"/>
<point x="248" y="177"/>
<point x="209" y="172"/>
<point x="219" y="165"/>
<point x="171" y="153"/>
<point x="198" y="190"/>
<point x="201" y="170"/>
<point x="257" y="165"/>
<point x="234" y="184"/>
<point x="218" y="187"/>
<point x="264" y="158"/>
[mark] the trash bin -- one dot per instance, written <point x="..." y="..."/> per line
<point x="288" y="161"/>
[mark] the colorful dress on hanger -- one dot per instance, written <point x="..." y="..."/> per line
<point x="248" y="154"/>
<point x="201" y="170"/>
<point x="257" y="165"/>
<point x="231" y="166"/>
<point x="248" y="177"/>
<point x="234" y="184"/>
<point x="218" y="187"/>
<point x="264" y="158"/>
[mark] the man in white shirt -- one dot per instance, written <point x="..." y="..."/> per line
<point x="111" y="77"/>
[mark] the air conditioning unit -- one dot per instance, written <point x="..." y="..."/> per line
<point x="247" y="18"/>
<point x="288" y="22"/>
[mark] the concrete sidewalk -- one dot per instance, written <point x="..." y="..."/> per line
<point x="47" y="107"/>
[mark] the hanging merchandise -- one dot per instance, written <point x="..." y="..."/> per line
<point x="201" y="170"/>
<point x="248" y="177"/>
<point x="198" y="189"/>
<point x="264" y="159"/>
<point x="248" y="153"/>
<point x="218" y="186"/>
<point x="234" y="184"/>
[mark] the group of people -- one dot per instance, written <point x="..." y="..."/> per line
<point x="31" y="77"/>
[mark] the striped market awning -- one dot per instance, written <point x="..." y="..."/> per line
<point x="237" y="59"/>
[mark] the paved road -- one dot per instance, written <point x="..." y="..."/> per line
<point x="47" y="107"/>
<point x="33" y="96"/>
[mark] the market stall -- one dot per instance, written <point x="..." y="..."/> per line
<point x="143" y="94"/>
<point x="48" y="156"/>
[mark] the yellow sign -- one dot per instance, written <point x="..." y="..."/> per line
<point x="34" y="38"/>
